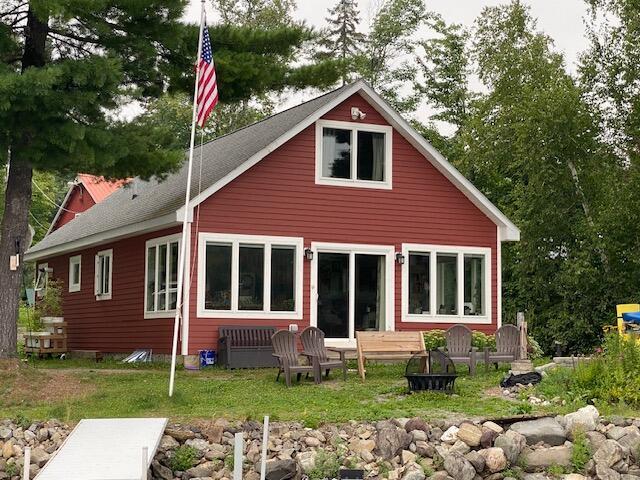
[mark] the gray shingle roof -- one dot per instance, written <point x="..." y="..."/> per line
<point x="159" y="198"/>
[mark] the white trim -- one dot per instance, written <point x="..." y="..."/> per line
<point x="511" y="232"/>
<point x="62" y="207"/>
<point x="76" y="259"/>
<point x="355" y="127"/>
<point x="186" y="303"/>
<point x="154" y="242"/>
<point x="353" y="249"/>
<point x="98" y="278"/>
<point x="109" y="236"/>
<point x="499" y="278"/>
<point x="235" y="240"/>
<point x="432" y="316"/>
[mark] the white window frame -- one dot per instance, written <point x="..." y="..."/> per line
<point x="433" y="316"/>
<point x="155" y="242"/>
<point x="353" y="249"/>
<point x="98" y="278"/>
<point x="75" y="260"/>
<point x="267" y="242"/>
<point x="353" y="181"/>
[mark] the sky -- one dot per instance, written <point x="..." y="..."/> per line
<point x="562" y="20"/>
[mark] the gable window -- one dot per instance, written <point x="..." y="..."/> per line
<point x="75" y="266"/>
<point x="104" y="272"/>
<point x="353" y="154"/>
<point x="446" y="284"/>
<point x="161" y="278"/>
<point x="250" y="276"/>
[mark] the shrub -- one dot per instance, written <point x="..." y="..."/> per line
<point x="11" y="469"/>
<point x="327" y="465"/>
<point x="581" y="452"/>
<point x="434" y="339"/>
<point x="183" y="458"/>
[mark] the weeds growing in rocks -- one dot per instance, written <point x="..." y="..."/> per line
<point x="327" y="465"/>
<point x="581" y="452"/>
<point x="183" y="458"/>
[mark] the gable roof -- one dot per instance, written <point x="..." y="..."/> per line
<point x="160" y="204"/>
<point x="98" y="187"/>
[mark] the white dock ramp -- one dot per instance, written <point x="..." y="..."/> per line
<point x="106" y="449"/>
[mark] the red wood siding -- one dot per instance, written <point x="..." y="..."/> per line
<point x="118" y="324"/>
<point x="279" y="197"/>
<point x="78" y="201"/>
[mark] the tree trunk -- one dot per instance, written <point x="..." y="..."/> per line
<point x="15" y="221"/>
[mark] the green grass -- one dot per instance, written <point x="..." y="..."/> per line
<point x="111" y="389"/>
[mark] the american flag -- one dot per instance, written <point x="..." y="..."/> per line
<point x="207" y="85"/>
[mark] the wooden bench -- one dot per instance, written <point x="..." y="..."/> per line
<point x="246" y="347"/>
<point x="387" y="346"/>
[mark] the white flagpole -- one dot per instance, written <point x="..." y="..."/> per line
<point x="185" y="223"/>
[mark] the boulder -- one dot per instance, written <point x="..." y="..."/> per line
<point x="459" y="467"/>
<point x="407" y="457"/>
<point x="160" y="471"/>
<point x="494" y="459"/>
<point x="585" y="419"/>
<point x="199" y="444"/>
<point x="425" y="449"/>
<point x="574" y="476"/>
<point x="419" y="435"/>
<point x="214" y="433"/>
<point x="543" y="458"/>
<point x="392" y="441"/>
<point x="493" y="426"/>
<point x="280" y="469"/>
<point x="460" y="447"/>
<point x="476" y="460"/>
<point x="39" y="456"/>
<point x="312" y="442"/>
<point x="416" y="424"/>
<point x="358" y="446"/>
<point x="307" y="460"/>
<point x="546" y="430"/>
<point x="5" y="433"/>
<point x="595" y="439"/>
<point x="470" y="434"/>
<point x="616" y="433"/>
<point x="609" y="454"/>
<point x="631" y="441"/>
<point x="180" y="435"/>
<point x="605" y="473"/>
<point x="488" y="437"/>
<point x="413" y="474"/>
<point x="205" y="469"/>
<point x="450" y="435"/>
<point x="7" y="449"/>
<point x="512" y="443"/>
<point x="441" y="475"/>
<point x="167" y="442"/>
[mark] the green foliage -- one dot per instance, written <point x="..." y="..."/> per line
<point x="11" y="469"/>
<point x="327" y="465"/>
<point x="50" y="305"/>
<point x="183" y="458"/>
<point x="383" y="468"/>
<point x="513" y="472"/>
<point x="522" y="408"/>
<point x="22" y="421"/>
<point x="581" y="451"/>
<point x="229" y="462"/>
<point x="556" y="471"/>
<point x="435" y="339"/>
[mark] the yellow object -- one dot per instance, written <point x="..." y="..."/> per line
<point x="625" y="308"/>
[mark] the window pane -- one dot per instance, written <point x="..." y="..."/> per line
<point x="419" y="284"/>
<point x="371" y="156"/>
<point x="151" y="278"/>
<point x="336" y="153"/>
<point x="106" y="263"/>
<point x="251" y="278"/>
<point x="162" y="277"/>
<point x="333" y="294"/>
<point x="75" y="277"/>
<point x="173" y="275"/>
<point x="447" y="295"/>
<point x="369" y="292"/>
<point x="218" y="277"/>
<point x="282" y="279"/>
<point x="474" y="285"/>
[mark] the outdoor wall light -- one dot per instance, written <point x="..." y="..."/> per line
<point x="357" y="114"/>
<point x="308" y="254"/>
<point x="400" y="258"/>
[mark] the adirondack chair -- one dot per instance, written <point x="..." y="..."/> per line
<point x="314" y="348"/>
<point x="507" y="343"/>
<point x="459" y="347"/>
<point x="284" y="346"/>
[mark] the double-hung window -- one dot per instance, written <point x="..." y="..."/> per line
<point x="446" y="284"/>
<point x="249" y="276"/>
<point x="103" y="274"/>
<point x="75" y="271"/>
<point x="353" y="154"/>
<point x="161" y="278"/>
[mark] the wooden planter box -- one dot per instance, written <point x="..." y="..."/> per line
<point x="53" y="341"/>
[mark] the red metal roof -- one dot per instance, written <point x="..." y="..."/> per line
<point x="98" y="187"/>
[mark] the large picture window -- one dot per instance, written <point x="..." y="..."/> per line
<point x="446" y="284"/>
<point x="249" y="276"/>
<point x="103" y="274"/>
<point x="353" y="154"/>
<point x="161" y="279"/>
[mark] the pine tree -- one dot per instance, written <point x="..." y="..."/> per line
<point x="67" y="66"/>
<point x="341" y="38"/>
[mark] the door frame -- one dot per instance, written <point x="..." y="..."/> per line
<point x="352" y="249"/>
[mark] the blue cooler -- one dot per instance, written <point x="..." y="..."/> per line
<point x="207" y="358"/>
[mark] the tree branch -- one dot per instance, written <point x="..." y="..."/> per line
<point x="73" y="36"/>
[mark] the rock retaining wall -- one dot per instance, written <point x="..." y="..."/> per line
<point x="398" y="449"/>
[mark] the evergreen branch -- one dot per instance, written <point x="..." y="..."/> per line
<point x="73" y="36"/>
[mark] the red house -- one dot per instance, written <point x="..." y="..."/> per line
<point x="334" y="213"/>
<point x="84" y="193"/>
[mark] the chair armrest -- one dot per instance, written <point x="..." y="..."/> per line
<point x="308" y="354"/>
<point x="341" y="351"/>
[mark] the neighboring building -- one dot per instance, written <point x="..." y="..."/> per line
<point x="334" y="213"/>
<point x="84" y="192"/>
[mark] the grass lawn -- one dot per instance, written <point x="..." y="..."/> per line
<point x="70" y="390"/>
